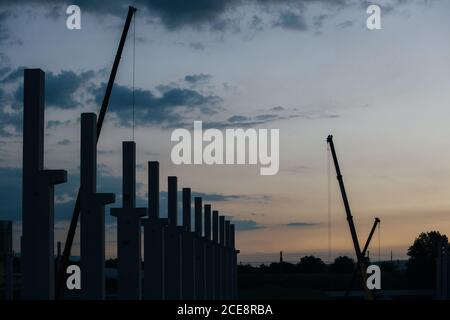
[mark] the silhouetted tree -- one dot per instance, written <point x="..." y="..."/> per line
<point x="311" y="264"/>
<point x="342" y="264"/>
<point x="421" y="267"/>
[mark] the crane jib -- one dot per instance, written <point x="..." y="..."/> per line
<point x="76" y="211"/>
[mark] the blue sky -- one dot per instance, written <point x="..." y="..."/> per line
<point x="308" y="68"/>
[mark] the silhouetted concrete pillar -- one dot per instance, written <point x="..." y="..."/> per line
<point x="6" y="258"/>
<point x="216" y="253"/>
<point x="172" y="242"/>
<point x="154" y="228"/>
<point x="92" y="221"/>
<point x="234" y="291"/>
<point x="442" y="271"/>
<point x="227" y="262"/>
<point x="209" y="255"/>
<point x="129" y="229"/>
<point x="199" y="251"/>
<point x="188" y="263"/>
<point x="38" y="275"/>
<point x="222" y="256"/>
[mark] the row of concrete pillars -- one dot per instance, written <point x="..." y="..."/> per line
<point x="179" y="263"/>
<point x="188" y="264"/>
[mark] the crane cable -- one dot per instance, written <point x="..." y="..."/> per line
<point x="329" y="203"/>
<point x="379" y="241"/>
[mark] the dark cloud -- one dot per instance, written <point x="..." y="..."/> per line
<point x="9" y="120"/>
<point x="301" y="224"/>
<point x="197" y="46"/>
<point x="64" y="142"/>
<point x="61" y="89"/>
<point x="216" y="197"/>
<point x="319" y="20"/>
<point x="236" y="118"/>
<point x="278" y="108"/>
<point x="162" y="110"/>
<point x="345" y="24"/>
<point x="246" y="225"/>
<point x="11" y="193"/>
<point x="56" y="123"/>
<point x="5" y="37"/>
<point x="197" y="78"/>
<point x="65" y="89"/>
<point x="213" y="14"/>
<point x="247" y="121"/>
<point x="291" y="21"/>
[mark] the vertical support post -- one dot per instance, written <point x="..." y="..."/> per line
<point x="6" y="258"/>
<point x="227" y="261"/>
<point x="129" y="229"/>
<point x="222" y="256"/>
<point x="38" y="276"/>
<point x="172" y="241"/>
<point x="209" y="255"/>
<point x="199" y="251"/>
<point x="153" y="239"/>
<point x="216" y="251"/>
<point x="92" y="223"/>
<point x="172" y="201"/>
<point x="188" y="255"/>
<point x="445" y="275"/>
<point x="234" y="291"/>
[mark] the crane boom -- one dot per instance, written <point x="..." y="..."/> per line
<point x="372" y="231"/>
<point x="76" y="210"/>
<point x="366" y="246"/>
<point x="359" y="255"/>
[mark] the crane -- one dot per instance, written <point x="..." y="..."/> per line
<point x="76" y="210"/>
<point x="361" y="263"/>
<point x="366" y="246"/>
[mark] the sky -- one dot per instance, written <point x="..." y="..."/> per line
<point x="308" y="68"/>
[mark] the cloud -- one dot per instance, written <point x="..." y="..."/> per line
<point x="61" y="90"/>
<point x="11" y="193"/>
<point x="216" y="197"/>
<point x="64" y="142"/>
<point x="301" y="224"/>
<point x="291" y="21"/>
<point x="237" y="119"/>
<point x="164" y="110"/>
<point x="10" y="123"/>
<point x="56" y="123"/>
<point x="5" y="37"/>
<point x="246" y="225"/>
<point x="197" y="46"/>
<point x="216" y="16"/>
<point x="168" y="107"/>
<point x="345" y="24"/>
<point x="197" y="78"/>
